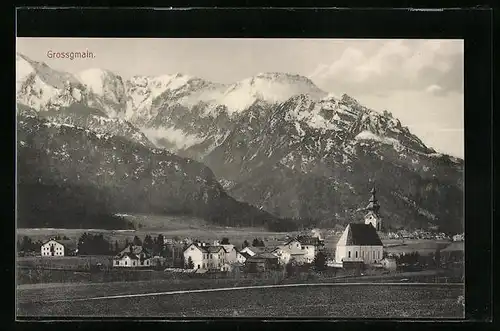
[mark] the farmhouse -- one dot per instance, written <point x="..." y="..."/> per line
<point x="133" y="257"/>
<point x="52" y="248"/>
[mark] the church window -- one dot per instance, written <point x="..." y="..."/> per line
<point x="356" y="254"/>
<point x="349" y="254"/>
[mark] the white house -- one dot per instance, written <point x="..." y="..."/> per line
<point x="206" y="257"/>
<point x="231" y="253"/>
<point x="52" y="248"/>
<point x="359" y="242"/>
<point x="216" y="258"/>
<point x="198" y="255"/>
<point x="389" y="263"/>
<point x="249" y="250"/>
<point x="302" y="249"/>
<point x="133" y="257"/>
<point x="241" y="257"/>
<point x="283" y="254"/>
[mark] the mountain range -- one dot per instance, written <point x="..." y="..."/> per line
<point x="275" y="142"/>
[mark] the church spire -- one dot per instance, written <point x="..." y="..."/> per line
<point x="373" y="203"/>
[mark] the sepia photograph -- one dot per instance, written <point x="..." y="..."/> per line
<point x="240" y="177"/>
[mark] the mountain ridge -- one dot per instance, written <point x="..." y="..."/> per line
<point x="318" y="150"/>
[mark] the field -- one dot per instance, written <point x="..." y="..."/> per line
<point x="170" y="227"/>
<point x="346" y="301"/>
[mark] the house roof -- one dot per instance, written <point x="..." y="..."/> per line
<point x="214" y="249"/>
<point x="67" y="243"/>
<point x="266" y="255"/>
<point x="228" y="247"/>
<point x="261" y="258"/>
<point x="246" y="255"/>
<point x="134" y="252"/>
<point x="359" y="234"/>
<point x="307" y="240"/>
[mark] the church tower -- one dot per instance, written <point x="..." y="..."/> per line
<point x="373" y="216"/>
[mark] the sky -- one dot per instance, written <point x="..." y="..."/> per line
<point x="418" y="81"/>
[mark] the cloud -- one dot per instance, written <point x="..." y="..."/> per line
<point x="395" y="65"/>
<point x="434" y="89"/>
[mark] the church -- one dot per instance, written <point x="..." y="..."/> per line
<point x="360" y="241"/>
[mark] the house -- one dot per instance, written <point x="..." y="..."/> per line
<point x="389" y="263"/>
<point x="261" y="262"/>
<point x="216" y="258"/>
<point x="302" y="249"/>
<point x="197" y="253"/>
<point x="242" y="256"/>
<point x="310" y="246"/>
<point x="133" y="257"/>
<point x="252" y="250"/>
<point x="283" y="254"/>
<point x="231" y="253"/>
<point x="52" y="248"/>
<point x="206" y="257"/>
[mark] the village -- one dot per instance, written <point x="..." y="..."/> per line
<point x="359" y="248"/>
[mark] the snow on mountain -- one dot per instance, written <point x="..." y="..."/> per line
<point x="142" y="92"/>
<point x="268" y="87"/>
<point x="107" y="89"/>
<point x="42" y="88"/>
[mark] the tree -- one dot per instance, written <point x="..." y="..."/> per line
<point x="190" y="264"/>
<point x="320" y="261"/>
<point x="159" y="245"/>
<point x="224" y="241"/>
<point x="26" y="245"/>
<point x="117" y="248"/>
<point x="89" y="244"/>
<point x="291" y="268"/>
<point x="245" y="244"/>
<point x="148" y="242"/>
<point x="437" y="258"/>
<point x="137" y="241"/>
<point x="258" y="243"/>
